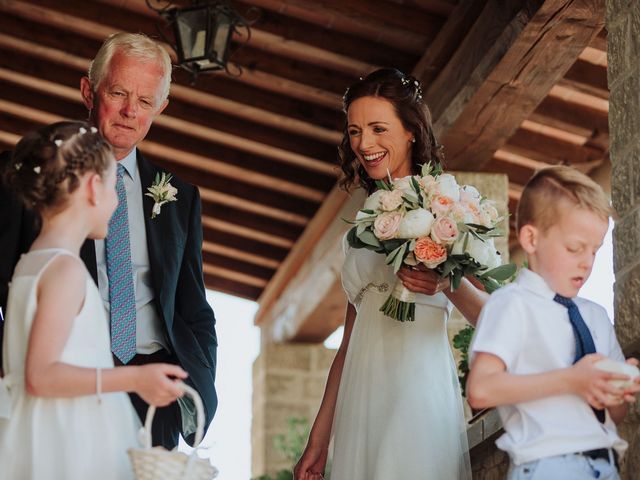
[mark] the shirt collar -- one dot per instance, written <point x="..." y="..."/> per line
<point x="534" y="283"/>
<point x="129" y="163"/>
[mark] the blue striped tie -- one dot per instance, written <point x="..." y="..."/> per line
<point x="120" y="272"/>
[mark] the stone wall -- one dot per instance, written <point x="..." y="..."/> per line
<point x="288" y="381"/>
<point x="623" y="26"/>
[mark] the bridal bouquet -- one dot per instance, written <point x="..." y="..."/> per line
<point x="432" y="220"/>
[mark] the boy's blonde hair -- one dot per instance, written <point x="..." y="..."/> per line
<point x="544" y="192"/>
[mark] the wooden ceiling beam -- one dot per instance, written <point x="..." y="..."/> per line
<point x="236" y="174"/>
<point x="234" y="275"/>
<point x="538" y="146"/>
<point x="567" y="93"/>
<point x="253" y="114"/>
<point x="504" y="68"/>
<point x="241" y="231"/>
<point x="225" y="285"/>
<point x="278" y="45"/>
<point x="333" y="17"/>
<point x="284" y="86"/>
<point x="206" y="100"/>
<point x="252" y="208"/>
<point x="237" y="254"/>
<point x="177" y="155"/>
<point x="575" y="118"/>
<point x="447" y="41"/>
<point x="444" y="8"/>
<point x="29" y="11"/>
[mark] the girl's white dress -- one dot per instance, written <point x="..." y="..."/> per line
<point x="62" y="438"/>
<point x="399" y="411"/>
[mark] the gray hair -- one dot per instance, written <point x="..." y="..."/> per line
<point x="135" y="45"/>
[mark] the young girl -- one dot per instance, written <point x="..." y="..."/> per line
<point x="63" y="419"/>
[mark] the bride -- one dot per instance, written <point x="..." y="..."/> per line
<point x="392" y="399"/>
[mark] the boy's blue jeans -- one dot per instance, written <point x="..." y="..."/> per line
<point x="565" y="467"/>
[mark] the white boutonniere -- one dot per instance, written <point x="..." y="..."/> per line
<point x="162" y="192"/>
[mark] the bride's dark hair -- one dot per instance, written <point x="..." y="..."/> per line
<point x="405" y="94"/>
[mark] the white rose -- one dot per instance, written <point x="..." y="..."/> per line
<point x="373" y="201"/>
<point x="470" y="194"/>
<point x="447" y="186"/>
<point x="416" y="223"/>
<point x="494" y="259"/>
<point x="488" y="214"/>
<point x="479" y="250"/>
<point x="391" y="200"/>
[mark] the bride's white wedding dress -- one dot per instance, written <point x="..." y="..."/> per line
<point x="399" y="411"/>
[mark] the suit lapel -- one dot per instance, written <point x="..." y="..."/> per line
<point x="152" y="227"/>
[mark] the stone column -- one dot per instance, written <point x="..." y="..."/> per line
<point x="288" y="381"/>
<point x="623" y="26"/>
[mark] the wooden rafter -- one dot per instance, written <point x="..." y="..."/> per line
<point x="535" y="48"/>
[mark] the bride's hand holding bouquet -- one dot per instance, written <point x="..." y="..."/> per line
<point x="430" y="220"/>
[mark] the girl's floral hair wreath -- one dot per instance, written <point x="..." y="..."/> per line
<point x="432" y="220"/>
<point x="161" y="191"/>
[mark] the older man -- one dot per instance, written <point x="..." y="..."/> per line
<point x="149" y="268"/>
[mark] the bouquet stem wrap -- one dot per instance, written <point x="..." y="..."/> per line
<point x="401" y="303"/>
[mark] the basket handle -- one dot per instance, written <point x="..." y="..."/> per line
<point x="191" y="392"/>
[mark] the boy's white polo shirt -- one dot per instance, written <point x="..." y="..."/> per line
<point x="531" y="333"/>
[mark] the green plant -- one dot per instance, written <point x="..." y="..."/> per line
<point x="461" y="342"/>
<point x="291" y="445"/>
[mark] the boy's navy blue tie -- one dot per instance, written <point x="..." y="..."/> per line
<point x="582" y="335"/>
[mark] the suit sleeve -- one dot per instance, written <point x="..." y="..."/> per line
<point x="191" y="301"/>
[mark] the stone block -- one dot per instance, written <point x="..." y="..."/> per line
<point x="624" y="116"/>
<point x="626" y="301"/>
<point x="616" y="9"/>
<point x="626" y="241"/>
<point x="283" y="385"/>
<point x="322" y="358"/>
<point x="313" y="388"/>
<point x="620" y="46"/>
<point x="287" y="357"/>
<point x="276" y="415"/>
<point x="625" y="176"/>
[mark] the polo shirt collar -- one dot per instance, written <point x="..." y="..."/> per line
<point x="534" y="283"/>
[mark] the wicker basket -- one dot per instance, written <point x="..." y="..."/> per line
<point x="158" y="463"/>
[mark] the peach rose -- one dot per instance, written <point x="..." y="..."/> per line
<point x="444" y="231"/>
<point x="440" y="205"/>
<point x="429" y="252"/>
<point x="386" y="225"/>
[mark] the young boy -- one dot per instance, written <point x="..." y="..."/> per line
<point x="528" y="359"/>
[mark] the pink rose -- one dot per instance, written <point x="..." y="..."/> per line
<point x="440" y="205"/>
<point x="429" y="252"/>
<point x="444" y="231"/>
<point x="386" y="225"/>
<point x="391" y="200"/>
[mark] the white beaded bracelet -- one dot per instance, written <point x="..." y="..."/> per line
<point x="99" y="384"/>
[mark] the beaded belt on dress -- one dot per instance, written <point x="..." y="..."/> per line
<point x="380" y="287"/>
